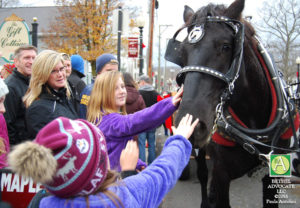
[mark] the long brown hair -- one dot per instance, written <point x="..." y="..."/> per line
<point x="111" y="180"/>
<point x="102" y="100"/>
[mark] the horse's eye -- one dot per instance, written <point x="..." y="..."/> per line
<point x="226" y="47"/>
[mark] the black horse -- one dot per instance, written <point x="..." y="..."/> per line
<point x="233" y="87"/>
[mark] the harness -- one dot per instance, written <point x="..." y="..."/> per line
<point x="228" y="129"/>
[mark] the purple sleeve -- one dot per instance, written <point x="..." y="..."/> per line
<point x="120" y="126"/>
<point x="151" y="185"/>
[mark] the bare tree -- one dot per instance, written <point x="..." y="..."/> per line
<point x="9" y="3"/>
<point x="281" y="24"/>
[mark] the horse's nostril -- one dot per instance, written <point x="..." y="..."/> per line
<point x="201" y="126"/>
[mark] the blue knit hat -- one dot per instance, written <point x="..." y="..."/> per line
<point x="77" y="63"/>
<point x="104" y="59"/>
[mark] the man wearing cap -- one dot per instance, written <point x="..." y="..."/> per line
<point x="17" y="84"/>
<point x="105" y="62"/>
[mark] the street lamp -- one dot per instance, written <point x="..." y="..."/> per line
<point x="34" y="36"/>
<point x="140" y="24"/>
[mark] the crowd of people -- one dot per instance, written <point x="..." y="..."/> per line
<point x="86" y="143"/>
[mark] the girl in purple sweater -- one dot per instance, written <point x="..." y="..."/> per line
<point x="107" y="110"/>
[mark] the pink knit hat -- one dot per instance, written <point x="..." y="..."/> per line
<point x="80" y="153"/>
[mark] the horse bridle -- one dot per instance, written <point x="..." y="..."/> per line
<point x="174" y="55"/>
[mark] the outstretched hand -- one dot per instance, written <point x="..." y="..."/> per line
<point x="185" y="127"/>
<point x="129" y="156"/>
<point x="177" y="98"/>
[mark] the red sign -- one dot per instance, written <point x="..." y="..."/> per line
<point x="133" y="45"/>
<point x="17" y="190"/>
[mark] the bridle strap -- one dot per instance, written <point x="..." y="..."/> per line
<point x="202" y="69"/>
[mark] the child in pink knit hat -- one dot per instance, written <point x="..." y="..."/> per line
<point x="4" y="141"/>
<point x="70" y="158"/>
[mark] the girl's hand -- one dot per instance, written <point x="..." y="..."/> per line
<point x="129" y="156"/>
<point x="177" y="98"/>
<point x="185" y="127"/>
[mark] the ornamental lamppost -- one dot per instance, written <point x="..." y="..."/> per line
<point x="140" y="24"/>
<point x="34" y="36"/>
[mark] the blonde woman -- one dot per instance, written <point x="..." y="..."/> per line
<point x="107" y="109"/>
<point x="48" y="95"/>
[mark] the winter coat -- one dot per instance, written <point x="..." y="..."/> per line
<point x="4" y="136"/>
<point x="84" y="99"/>
<point x="75" y="96"/>
<point x="149" y="94"/>
<point x="118" y="129"/>
<point x="146" y="189"/>
<point x="49" y="106"/>
<point x="17" y="85"/>
<point x="134" y="100"/>
<point x="76" y="81"/>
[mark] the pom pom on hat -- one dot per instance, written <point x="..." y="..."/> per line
<point x="104" y="59"/>
<point x="3" y="88"/>
<point x="33" y="160"/>
<point x="77" y="63"/>
<point x="79" y="152"/>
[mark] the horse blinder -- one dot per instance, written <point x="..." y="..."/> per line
<point x="174" y="52"/>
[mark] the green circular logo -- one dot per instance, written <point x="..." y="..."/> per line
<point x="280" y="165"/>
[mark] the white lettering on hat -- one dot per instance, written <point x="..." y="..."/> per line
<point x="94" y="182"/>
<point x="68" y="167"/>
<point x="76" y="127"/>
<point x="82" y="145"/>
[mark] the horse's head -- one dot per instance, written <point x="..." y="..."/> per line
<point x="210" y="56"/>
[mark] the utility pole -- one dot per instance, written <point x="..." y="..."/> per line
<point x="120" y="22"/>
<point x="158" y="69"/>
<point x="151" y="23"/>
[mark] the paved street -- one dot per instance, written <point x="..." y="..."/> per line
<point x="245" y="192"/>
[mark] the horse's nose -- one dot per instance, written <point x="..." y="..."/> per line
<point x="200" y="134"/>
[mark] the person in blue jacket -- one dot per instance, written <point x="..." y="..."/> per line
<point x="69" y="157"/>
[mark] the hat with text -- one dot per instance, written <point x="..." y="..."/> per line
<point x="69" y="157"/>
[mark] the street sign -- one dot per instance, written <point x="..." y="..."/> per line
<point x="133" y="47"/>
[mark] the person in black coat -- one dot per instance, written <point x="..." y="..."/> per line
<point x="17" y="84"/>
<point x="48" y="95"/>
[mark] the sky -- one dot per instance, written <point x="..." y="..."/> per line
<point x="170" y="12"/>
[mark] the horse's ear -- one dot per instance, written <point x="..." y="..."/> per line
<point x="234" y="11"/>
<point x="187" y="14"/>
